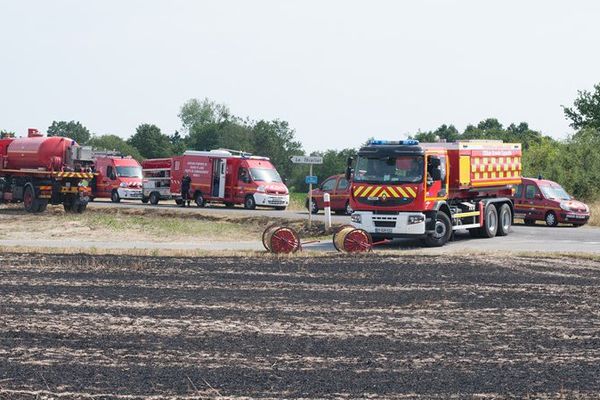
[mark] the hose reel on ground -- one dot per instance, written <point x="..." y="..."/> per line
<point x="280" y="239"/>
<point x="348" y="239"/>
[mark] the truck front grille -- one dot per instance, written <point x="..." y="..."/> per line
<point x="385" y="224"/>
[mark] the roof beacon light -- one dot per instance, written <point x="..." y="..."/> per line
<point x="407" y="142"/>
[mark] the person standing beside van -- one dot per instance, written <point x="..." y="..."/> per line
<point x="185" y="189"/>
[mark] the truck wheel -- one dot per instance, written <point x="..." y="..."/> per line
<point x="442" y="231"/>
<point x="249" y="203"/>
<point x="154" y="198"/>
<point x="30" y="202"/>
<point x="504" y="220"/>
<point x="145" y="200"/>
<point x="551" y="219"/>
<point x="200" y="201"/>
<point x="114" y="197"/>
<point x="68" y="204"/>
<point x="79" y="206"/>
<point x="490" y="223"/>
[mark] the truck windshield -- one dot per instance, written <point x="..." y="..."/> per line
<point x="129" y="172"/>
<point x="265" y="175"/>
<point x="389" y="169"/>
<point x="554" y="192"/>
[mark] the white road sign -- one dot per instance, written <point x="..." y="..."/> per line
<point x="306" y="160"/>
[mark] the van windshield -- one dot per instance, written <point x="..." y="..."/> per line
<point x="389" y="169"/>
<point x="555" y="192"/>
<point x="265" y="175"/>
<point x="129" y="172"/>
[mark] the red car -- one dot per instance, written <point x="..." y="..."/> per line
<point x="339" y="191"/>
<point x="544" y="200"/>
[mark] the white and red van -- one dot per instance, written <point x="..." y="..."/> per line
<point x="118" y="178"/>
<point x="217" y="176"/>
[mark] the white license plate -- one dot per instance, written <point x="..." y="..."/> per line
<point x="576" y="216"/>
<point x="383" y="230"/>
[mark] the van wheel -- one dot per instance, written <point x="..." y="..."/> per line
<point x="200" y="201"/>
<point x="442" y="231"/>
<point x="249" y="203"/>
<point x="154" y="198"/>
<point x="313" y="208"/>
<point x="504" y="220"/>
<point x="114" y="197"/>
<point x="551" y="219"/>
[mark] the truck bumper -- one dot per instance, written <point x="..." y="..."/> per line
<point x="405" y="224"/>
<point x="130" y="194"/>
<point x="270" y="200"/>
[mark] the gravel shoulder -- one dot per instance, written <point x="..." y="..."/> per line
<point x="80" y="326"/>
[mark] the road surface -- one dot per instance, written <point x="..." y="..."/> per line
<point x="537" y="238"/>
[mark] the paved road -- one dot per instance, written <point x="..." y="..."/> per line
<point x="523" y="238"/>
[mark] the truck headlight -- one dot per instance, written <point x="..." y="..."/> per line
<point x="356" y="218"/>
<point x="260" y="189"/>
<point x="565" y="206"/>
<point x="123" y="185"/>
<point x="415" y="219"/>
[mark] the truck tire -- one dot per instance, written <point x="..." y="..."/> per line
<point x="79" y="206"/>
<point x="154" y="198"/>
<point x="490" y="222"/>
<point x="442" y="231"/>
<point x="30" y="202"/>
<point x="68" y="204"/>
<point x="200" y="201"/>
<point x="145" y="200"/>
<point x="551" y="219"/>
<point x="249" y="202"/>
<point x="114" y="197"/>
<point x="504" y="220"/>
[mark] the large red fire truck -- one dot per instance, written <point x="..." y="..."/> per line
<point x="217" y="176"/>
<point x="37" y="171"/>
<point x="428" y="190"/>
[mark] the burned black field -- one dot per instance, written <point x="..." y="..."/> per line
<point x="410" y="326"/>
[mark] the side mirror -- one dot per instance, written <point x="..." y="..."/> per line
<point x="538" y="196"/>
<point x="349" y="169"/>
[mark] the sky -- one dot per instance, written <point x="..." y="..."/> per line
<point x="338" y="71"/>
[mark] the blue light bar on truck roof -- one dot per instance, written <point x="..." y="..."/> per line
<point x="407" y="142"/>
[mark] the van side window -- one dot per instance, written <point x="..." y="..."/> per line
<point x="519" y="192"/>
<point x="109" y="172"/>
<point x="243" y="175"/>
<point x="530" y="191"/>
<point x="342" y="184"/>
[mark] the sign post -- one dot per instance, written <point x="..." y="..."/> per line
<point x="310" y="179"/>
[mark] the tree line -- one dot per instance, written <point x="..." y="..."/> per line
<point x="574" y="162"/>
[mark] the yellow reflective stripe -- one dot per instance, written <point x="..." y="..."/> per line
<point x="401" y="191"/>
<point x="358" y="190"/>
<point x="411" y="191"/>
<point x="392" y="191"/>
<point x="366" y="191"/>
<point x="374" y="192"/>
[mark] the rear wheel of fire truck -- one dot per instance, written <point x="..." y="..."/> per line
<point x="200" y="201"/>
<point x="504" y="220"/>
<point x="30" y="202"/>
<point x="442" y="231"/>
<point x="551" y="219"/>
<point x="249" y="202"/>
<point x="154" y="198"/>
<point x="114" y="197"/>
<point x="490" y="222"/>
<point x="79" y="206"/>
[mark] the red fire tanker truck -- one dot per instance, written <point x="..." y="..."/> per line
<point x="428" y="190"/>
<point x="37" y="171"/>
<point x="217" y="176"/>
<point x="117" y="177"/>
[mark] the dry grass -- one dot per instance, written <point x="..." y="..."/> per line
<point x="594" y="213"/>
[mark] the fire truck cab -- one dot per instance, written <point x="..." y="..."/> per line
<point x="118" y="178"/>
<point x="429" y="190"/>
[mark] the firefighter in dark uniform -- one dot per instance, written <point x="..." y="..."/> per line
<point x="185" y="189"/>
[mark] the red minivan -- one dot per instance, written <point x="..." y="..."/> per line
<point x="338" y="188"/>
<point x="544" y="200"/>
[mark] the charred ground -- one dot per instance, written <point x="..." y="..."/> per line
<point x="120" y="326"/>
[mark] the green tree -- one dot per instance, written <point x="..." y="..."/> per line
<point x="202" y="112"/>
<point x="114" y="143"/>
<point x="6" y="134"/>
<point x="72" y="129"/>
<point x="178" y="143"/>
<point x="150" y="141"/>
<point x="586" y="109"/>
<point x="276" y="140"/>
